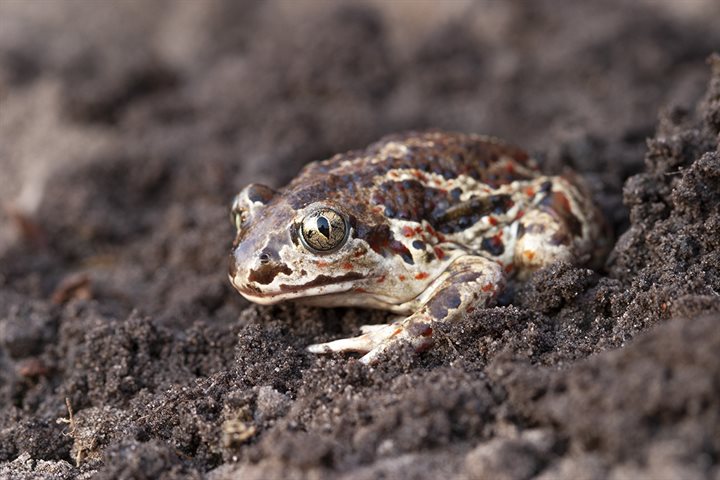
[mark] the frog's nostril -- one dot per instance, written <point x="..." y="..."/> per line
<point x="268" y="255"/>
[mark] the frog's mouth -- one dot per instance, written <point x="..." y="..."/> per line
<point x="318" y="286"/>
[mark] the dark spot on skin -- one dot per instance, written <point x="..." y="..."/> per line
<point x="260" y="193"/>
<point x="419" y="329"/>
<point x="400" y="249"/>
<point x="443" y="301"/>
<point x="437" y="309"/>
<point x="454" y="301"/>
<point x="462" y="215"/>
<point x="410" y="200"/>
<point x="377" y="237"/>
<point x="418" y="245"/>
<point x="266" y="273"/>
<point x="500" y="203"/>
<point x="493" y="245"/>
<point x="520" y="231"/>
<point x="546" y="186"/>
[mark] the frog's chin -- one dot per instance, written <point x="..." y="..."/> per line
<point x="341" y="296"/>
<point x="271" y="298"/>
<point x="286" y="292"/>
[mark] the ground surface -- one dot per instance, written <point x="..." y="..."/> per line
<point x="126" y="128"/>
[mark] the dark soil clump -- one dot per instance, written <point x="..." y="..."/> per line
<point x="126" y="129"/>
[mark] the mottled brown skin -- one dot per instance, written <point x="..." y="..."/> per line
<point x="340" y="180"/>
<point x="435" y="223"/>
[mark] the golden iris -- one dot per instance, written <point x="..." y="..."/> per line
<point x="323" y="230"/>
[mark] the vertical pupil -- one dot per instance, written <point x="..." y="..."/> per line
<point x="323" y="226"/>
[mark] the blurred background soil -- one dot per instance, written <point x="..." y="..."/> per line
<point x="126" y="127"/>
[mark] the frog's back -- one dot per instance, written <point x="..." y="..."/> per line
<point x="435" y="160"/>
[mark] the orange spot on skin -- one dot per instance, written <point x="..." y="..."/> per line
<point x="530" y="192"/>
<point x="321" y="264"/>
<point x="510" y="168"/>
<point x="418" y="230"/>
<point x="492" y="220"/>
<point x="509" y="268"/>
<point x="347" y="266"/>
<point x="519" y="214"/>
<point x="360" y="290"/>
<point x="439" y="253"/>
<point x="422" y="275"/>
<point x="381" y="279"/>
<point x="402" y="278"/>
<point x="359" y="253"/>
<point x="487" y="287"/>
<point x="562" y="201"/>
<point x="408" y="231"/>
<point x="529" y="254"/>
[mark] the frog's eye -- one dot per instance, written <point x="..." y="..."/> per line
<point x="238" y="215"/>
<point x="324" y="231"/>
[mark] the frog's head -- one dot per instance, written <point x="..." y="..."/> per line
<point x="287" y="250"/>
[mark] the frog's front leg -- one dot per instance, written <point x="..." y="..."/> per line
<point x="468" y="283"/>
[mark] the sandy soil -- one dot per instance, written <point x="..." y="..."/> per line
<point x="125" y="129"/>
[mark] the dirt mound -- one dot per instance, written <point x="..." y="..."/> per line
<point x="126" y="129"/>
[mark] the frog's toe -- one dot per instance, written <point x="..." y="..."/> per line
<point x="362" y="344"/>
<point x="419" y="343"/>
<point x="375" y="339"/>
<point x="373" y="355"/>
<point x="372" y="328"/>
<point x="372" y="337"/>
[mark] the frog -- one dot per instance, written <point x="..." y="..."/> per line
<point x="429" y="225"/>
